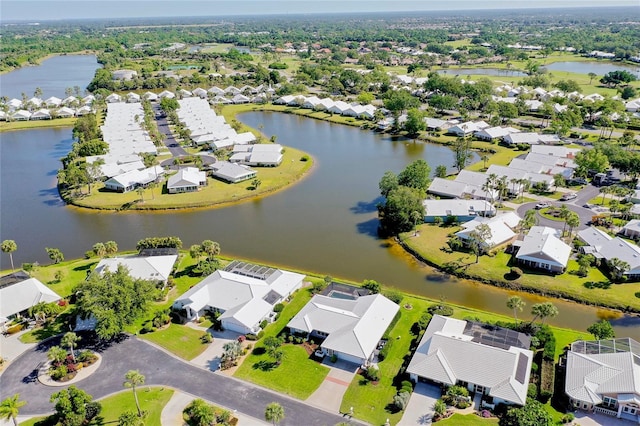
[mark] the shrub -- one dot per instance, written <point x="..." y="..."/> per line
<point x="264" y="323"/>
<point x="440" y="309"/>
<point x="373" y="373"/>
<point x="382" y="355"/>
<point x="544" y="396"/>
<point x="58" y="372"/>
<point x="406" y="386"/>
<point x="568" y="418"/>
<point x="515" y="272"/>
<point x="207" y="338"/>
<point x="334" y="358"/>
<point x="401" y="400"/>
<point x="305" y="158"/>
<point x="422" y="323"/>
<point x="161" y="318"/>
<point x="394" y="296"/>
<point x="148" y="328"/>
<point x="251" y="336"/>
<point x="260" y="334"/>
<point x="278" y="307"/>
<point x="92" y="409"/>
<point x="532" y="391"/>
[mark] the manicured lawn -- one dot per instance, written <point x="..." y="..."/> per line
<point x="297" y="375"/>
<point x="502" y="157"/>
<point x="35" y="124"/>
<point x="432" y="240"/>
<point x="152" y="400"/>
<point x="180" y="340"/>
<point x="468" y="420"/>
<point x="73" y="273"/>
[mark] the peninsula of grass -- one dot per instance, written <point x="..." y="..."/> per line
<point x="152" y="401"/>
<point x="7" y="126"/>
<point x="295" y="165"/>
<point x="431" y="247"/>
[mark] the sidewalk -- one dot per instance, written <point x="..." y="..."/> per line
<point x="11" y="347"/>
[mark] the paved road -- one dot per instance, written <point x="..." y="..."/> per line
<point x="169" y="140"/>
<point x="161" y="369"/>
<point x="584" y="195"/>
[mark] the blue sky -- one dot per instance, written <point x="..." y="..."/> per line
<point x="35" y="10"/>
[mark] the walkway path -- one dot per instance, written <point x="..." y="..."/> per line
<point x="160" y="369"/>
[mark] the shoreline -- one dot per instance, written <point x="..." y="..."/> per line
<point x="48" y="56"/>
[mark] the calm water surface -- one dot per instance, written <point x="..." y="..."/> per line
<point x="482" y="71"/>
<point x="53" y="76"/>
<point x="599" y="68"/>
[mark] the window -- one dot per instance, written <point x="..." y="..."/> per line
<point x="608" y="402"/>
<point x="629" y="410"/>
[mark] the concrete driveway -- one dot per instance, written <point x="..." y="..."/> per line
<point x="210" y="358"/>
<point x="593" y="419"/>
<point x="329" y="394"/>
<point x="419" y="411"/>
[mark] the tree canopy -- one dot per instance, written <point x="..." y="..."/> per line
<point x="602" y="330"/>
<point x="415" y="175"/>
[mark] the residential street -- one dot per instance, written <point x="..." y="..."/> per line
<point x="159" y="369"/>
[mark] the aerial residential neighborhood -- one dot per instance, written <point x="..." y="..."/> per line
<point x="320" y="213"/>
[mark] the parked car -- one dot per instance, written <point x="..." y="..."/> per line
<point x="578" y="181"/>
<point x="569" y="196"/>
<point x="542" y="205"/>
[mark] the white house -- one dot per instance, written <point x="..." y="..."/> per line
<point x="543" y="249"/>
<point x="131" y="180"/>
<point x="603" y="376"/>
<point x="530" y="138"/>
<point x="501" y="226"/>
<point x="41" y="114"/>
<point x="53" y="102"/>
<point x="489" y="360"/>
<point x="462" y="210"/>
<point x="200" y="92"/>
<point x="150" y="96"/>
<point x="244" y="294"/>
<point x="19" y="292"/>
<point x="231" y="172"/>
<point x="21" y="115"/>
<point x="188" y="179"/>
<point x="259" y="155"/>
<point x="152" y="268"/>
<point x="133" y="97"/>
<point x="631" y="229"/>
<point x="124" y="74"/>
<point x="350" y="329"/>
<point x="166" y="94"/>
<point x="467" y="128"/>
<point x="113" y="98"/>
<point x="492" y="133"/>
<point x="65" y="112"/>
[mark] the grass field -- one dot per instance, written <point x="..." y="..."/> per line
<point x="152" y="400"/>
<point x="431" y="245"/>
<point x="180" y="340"/>
<point x="468" y="420"/>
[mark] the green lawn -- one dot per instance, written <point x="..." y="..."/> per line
<point x="468" y="420"/>
<point x="180" y="340"/>
<point x="432" y="240"/>
<point x="152" y="400"/>
<point x="297" y="375"/>
<point x="7" y="126"/>
<point x="73" y="272"/>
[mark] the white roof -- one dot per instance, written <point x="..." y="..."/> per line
<point x="240" y="297"/>
<point x="447" y="355"/>
<point x="501" y="227"/>
<point x="594" y="237"/>
<point x="458" y="207"/>
<point x="541" y="244"/>
<point x="137" y="177"/>
<point x="354" y="327"/>
<point x="231" y="171"/>
<point x="154" y="268"/>
<point x="623" y="250"/>
<point x="188" y="176"/>
<point x="15" y="298"/>
<point x="495" y="132"/>
<point x="530" y="138"/>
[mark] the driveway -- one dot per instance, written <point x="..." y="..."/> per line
<point x="419" y="411"/>
<point x="159" y="369"/>
<point x="593" y="419"/>
<point x="329" y="394"/>
<point x="210" y="358"/>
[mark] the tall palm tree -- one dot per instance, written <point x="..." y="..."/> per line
<point x="9" y="246"/>
<point x="274" y="413"/>
<point x="70" y="340"/>
<point x="517" y="304"/>
<point x="133" y="379"/>
<point x="573" y="220"/>
<point x="543" y="311"/>
<point x="10" y="407"/>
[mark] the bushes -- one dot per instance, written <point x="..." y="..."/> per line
<point x="263" y="324"/>
<point x="373" y="373"/>
<point x="440" y="309"/>
<point x="382" y="355"/>
<point x="394" y="296"/>
<point x="161" y="318"/>
<point x="278" y="308"/>
<point x="515" y="273"/>
<point x="401" y="400"/>
<point x="207" y="338"/>
<point x="422" y="323"/>
<point x="547" y="378"/>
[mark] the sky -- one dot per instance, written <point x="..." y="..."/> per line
<point x="37" y="10"/>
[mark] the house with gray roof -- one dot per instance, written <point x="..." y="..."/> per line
<point x="19" y="292"/>
<point x="490" y="360"/>
<point x="258" y="155"/>
<point x="461" y="210"/>
<point x="542" y="248"/>
<point x="152" y="268"/>
<point x="631" y="229"/>
<point x="232" y="172"/>
<point x="625" y="251"/>
<point x="594" y="239"/>
<point x="502" y="229"/>
<point x="188" y="179"/>
<point x="244" y="294"/>
<point x="603" y="376"/>
<point x="348" y="328"/>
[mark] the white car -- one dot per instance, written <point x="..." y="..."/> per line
<point x="542" y="205"/>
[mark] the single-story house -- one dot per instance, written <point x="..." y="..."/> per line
<point x="113" y="98"/>
<point x="133" y="97"/>
<point x="188" y="179"/>
<point x="21" y="115"/>
<point x="184" y="93"/>
<point x="240" y="99"/>
<point x="53" y="102"/>
<point x="131" y="180"/>
<point x="492" y="133"/>
<point x="150" y="96"/>
<point x="123" y="74"/>
<point x="489" y="360"/>
<point x="71" y="101"/>
<point x="65" y="112"/>
<point x="555" y="151"/>
<point x="455" y="189"/>
<point x="626" y="251"/>
<point x="19" y="292"/>
<point x="166" y="94"/>
<point x="41" y="114"/>
<point x="260" y="155"/>
<point x="502" y="229"/>
<point x="530" y="138"/>
<point x="631" y="229"/>
<point x="594" y="239"/>
<point x="200" y="92"/>
<point x="603" y="376"/>
<point x="635" y="197"/>
<point x="462" y="210"/>
<point x="83" y="110"/>
<point x="349" y="329"/>
<point x="467" y="128"/>
<point x="152" y="268"/>
<point x="231" y="172"/>
<point x="244" y="294"/>
<point x="542" y="248"/>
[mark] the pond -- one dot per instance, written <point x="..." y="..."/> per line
<point x="483" y="71"/>
<point x="53" y="76"/>
<point x="599" y="68"/>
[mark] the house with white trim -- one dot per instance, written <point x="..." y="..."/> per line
<point x="542" y="248"/>
<point x="493" y="133"/>
<point x="132" y="179"/>
<point x="348" y="329"/>
<point x="41" y="114"/>
<point x="232" y="172"/>
<point x="65" y="112"/>
<point x="631" y="229"/>
<point x="244" y="295"/>
<point x="530" y="138"/>
<point x="21" y="115"/>
<point x="188" y="179"/>
<point x="157" y="269"/>
<point x="603" y="376"/>
<point x="19" y="292"/>
<point x="485" y="359"/>
<point x="462" y="210"/>
<point x="502" y="229"/>
<point x="258" y="155"/>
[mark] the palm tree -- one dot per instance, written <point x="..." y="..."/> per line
<point x="592" y="75"/>
<point x="573" y="220"/>
<point x="70" y="340"/>
<point x="133" y="379"/>
<point x="57" y="354"/>
<point x="274" y="413"/>
<point x="9" y="246"/>
<point x="543" y="311"/>
<point x="530" y="219"/>
<point x="416" y="217"/>
<point x="618" y="267"/>
<point x="517" y="304"/>
<point x="10" y="407"/>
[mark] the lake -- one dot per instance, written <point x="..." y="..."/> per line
<point x="326" y="223"/>
<point x="53" y="76"/>
<point x="599" y="68"/>
<point x="482" y="71"/>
